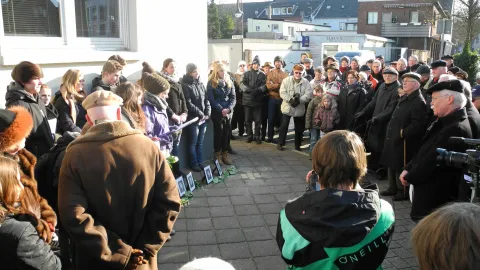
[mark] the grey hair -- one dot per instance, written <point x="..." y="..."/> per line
<point x="377" y="62"/>
<point x="459" y="99"/>
<point x="414" y="57"/>
<point x="403" y="60"/>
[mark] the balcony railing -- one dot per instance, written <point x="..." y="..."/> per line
<point x="406" y="30"/>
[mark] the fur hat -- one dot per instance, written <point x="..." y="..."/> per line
<point x="256" y="60"/>
<point x="333" y="66"/>
<point x="299" y="67"/>
<point x="277" y="58"/>
<point x="16" y="123"/>
<point x="154" y="83"/>
<point x="345" y="58"/>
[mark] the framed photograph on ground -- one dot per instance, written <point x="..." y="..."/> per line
<point x="219" y="167"/>
<point x="208" y="174"/>
<point x="191" y="181"/>
<point x="181" y="186"/>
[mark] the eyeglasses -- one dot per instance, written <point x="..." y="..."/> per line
<point x="435" y="98"/>
<point x="408" y="81"/>
<point x="298" y="72"/>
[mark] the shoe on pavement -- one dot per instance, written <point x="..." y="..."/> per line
<point x="298" y="148"/>
<point x="388" y="193"/>
<point x="249" y="140"/>
<point x="258" y="140"/>
<point x="173" y="232"/>
<point x="232" y="137"/>
<point x="218" y="156"/>
<point x="196" y="168"/>
<point x="226" y="160"/>
<point x="280" y="147"/>
<point x="269" y="140"/>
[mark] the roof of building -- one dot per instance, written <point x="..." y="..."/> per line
<point x="300" y="9"/>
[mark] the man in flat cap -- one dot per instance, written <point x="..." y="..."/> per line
<point x="404" y="134"/>
<point x="118" y="198"/>
<point x="439" y="68"/>
<point x="309" y="73"/>
<point x="449" y="59"/>
<point x="295" y="91"/>
<point x="436" y="185"/>
<point x="379" y="111"/>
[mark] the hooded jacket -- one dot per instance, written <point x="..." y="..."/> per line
<point x="116" y="193"/>
<point x="40" y="139"/>
<point x="336" y="229"/>
<point x="98" y="84"/>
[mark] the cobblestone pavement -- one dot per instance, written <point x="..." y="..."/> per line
<point x="237" y="220"/>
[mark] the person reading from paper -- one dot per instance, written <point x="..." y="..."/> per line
<point x="155" y="108"/>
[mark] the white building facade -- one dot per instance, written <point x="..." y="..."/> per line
<point x="82" y="34"/>
<point x="287" y="30"/>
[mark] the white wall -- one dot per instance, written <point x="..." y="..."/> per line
<point x="334" y="22"/>
<point x="157" y="31"/>
<point x="267" y="26"/>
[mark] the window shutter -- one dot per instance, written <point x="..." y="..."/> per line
<point x="31" y="18"/>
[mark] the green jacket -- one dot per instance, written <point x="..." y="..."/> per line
<point x="335" y="229"/>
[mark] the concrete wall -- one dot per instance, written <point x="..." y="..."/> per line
<point x="334" y="23"/>
<point x="231" y="50"/>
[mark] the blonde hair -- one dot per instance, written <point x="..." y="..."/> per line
<point x="9" y="186"/>
<point x="214" y="79"/>
<point x="448" y="238"/>
<point x="69" y="82"/>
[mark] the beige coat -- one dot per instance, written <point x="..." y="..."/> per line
<point x="116" y="192"/>
<point x="288" y="89"/>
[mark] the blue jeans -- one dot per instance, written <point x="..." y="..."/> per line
<point x="315" y="135"/>
<point x="176" y="142"/>
<point x="196" y="135"/>
<point x="274" y="115"/>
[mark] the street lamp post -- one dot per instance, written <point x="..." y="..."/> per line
<point x="239" y="14"/>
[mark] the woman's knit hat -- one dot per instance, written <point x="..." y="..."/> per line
<point x="154" y="83"/>
<point x="16" y="123"/>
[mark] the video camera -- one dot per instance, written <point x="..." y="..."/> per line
<point x="469" y="161"/>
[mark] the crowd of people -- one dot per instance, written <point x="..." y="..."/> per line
<point x="86" y="169"/>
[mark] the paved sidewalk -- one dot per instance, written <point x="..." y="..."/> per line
<point x="237" y="220"/>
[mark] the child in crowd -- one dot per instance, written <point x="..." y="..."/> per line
<point x="327" y="116"/>
<point x="312" y="110"/>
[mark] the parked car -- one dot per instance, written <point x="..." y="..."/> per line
<point x="363" y="55"/>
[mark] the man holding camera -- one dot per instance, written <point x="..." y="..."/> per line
<point x="296" y="91"/>
<point x="436" y="184"/>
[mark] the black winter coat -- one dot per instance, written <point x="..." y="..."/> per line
<point x="65" y="122"/>
<point x="407" y="124"/>
<point x="379" y="77"/>
<point x="98" y="84"/>
<point x="352" y="99"/>
<point x="436" y="185"/>
<point x="254" y="88"/>
<point x="381" y="108"/>
<point x="474" y="119"/>
<point x="41" y="138"/>
<point x="195" y="97"/>
<point x="176" y="99"/>
<point x="22" y="248"/>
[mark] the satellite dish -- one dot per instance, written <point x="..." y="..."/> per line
<point x="302" y="13"/>
<point x="256" y="12"/>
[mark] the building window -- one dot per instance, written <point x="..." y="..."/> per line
<point x="289" y="10"/>
<point x="257" y="28"/>
<point x="414" y="16"/>
<point x="291" y="31"/>
<point x="31" y="18"/>
<point x="277" y="11"/>
<point x="97" y="18"/>
<point x="348" y="26"/>
<point x="372" y="18"/>
<point x="274" y="27"/>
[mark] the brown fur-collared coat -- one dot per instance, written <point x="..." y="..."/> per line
<point x="31" y="199"/>
<point x="116" y="193"/>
